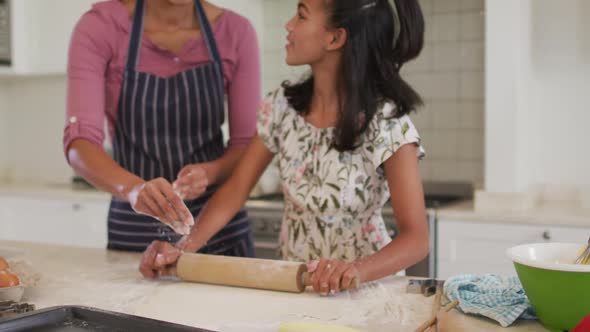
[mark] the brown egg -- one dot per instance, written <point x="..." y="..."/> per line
<point x="3" y="264"/>
<point x="8" y="279"/>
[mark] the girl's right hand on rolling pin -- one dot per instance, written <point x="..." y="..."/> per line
<point x="156" y="199"/>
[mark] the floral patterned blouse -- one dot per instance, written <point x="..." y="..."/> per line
<point x="333" y="199"/>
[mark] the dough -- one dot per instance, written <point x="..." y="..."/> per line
<point x="314" y="327"/>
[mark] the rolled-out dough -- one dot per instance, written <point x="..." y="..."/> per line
<point x="314" y="327"/>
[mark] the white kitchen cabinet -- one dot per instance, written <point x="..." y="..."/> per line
<point x="62" y="221"/>
<point x="40" y="33"/>
<point x="475" y="247"/>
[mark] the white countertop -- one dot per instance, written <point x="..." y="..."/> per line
<point x="52" y="191"/>
<point x="109" y="280"/>
<point x="465" y="211"/>
<point x="462" y="211"/>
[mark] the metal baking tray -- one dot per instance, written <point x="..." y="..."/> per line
<point x="84" y="319"/>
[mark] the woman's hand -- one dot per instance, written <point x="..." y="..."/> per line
<point x="192" y="182"/>
<point x="333" y="276"/>
<point x="156" y="199"/>
<point x="157" y="257"/>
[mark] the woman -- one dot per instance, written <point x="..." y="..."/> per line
<point x="159" y="70"/>
<point x="344" y="141"/>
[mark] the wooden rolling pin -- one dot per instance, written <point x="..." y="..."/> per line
<point x="243" y="272"/>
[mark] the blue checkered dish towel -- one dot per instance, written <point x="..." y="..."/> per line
<point x="490" y="295"/>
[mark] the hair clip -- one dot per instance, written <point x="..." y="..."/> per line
<point x="369" y="5"/>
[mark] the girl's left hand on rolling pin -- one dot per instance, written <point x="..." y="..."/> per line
<point x="330" y="276"/>
<point x="157" y="257"/>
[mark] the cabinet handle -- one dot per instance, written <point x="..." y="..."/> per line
<point x="547" y="235"/>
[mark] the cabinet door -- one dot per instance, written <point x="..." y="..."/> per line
<point x="480" y="248"/>
<point x="65" y="222"/>
<point x="41" y="33"/>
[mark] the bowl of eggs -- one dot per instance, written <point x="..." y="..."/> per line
<point x="11" y="288"/>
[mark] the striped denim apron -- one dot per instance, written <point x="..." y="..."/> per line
<point x="164" y="124"/>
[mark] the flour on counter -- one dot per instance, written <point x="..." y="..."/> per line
<point x="375" y="307"/>
<point x="122" y="282"/>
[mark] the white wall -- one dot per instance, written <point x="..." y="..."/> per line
<point x="560" y="98"/>
<point x="34" y="118"/>
<point x="506" y="67"/>
<point x="3" y="137"/>
<point x="449" y="74"/>
<point x="275" y="70"/>
<point x="538" y="76"/>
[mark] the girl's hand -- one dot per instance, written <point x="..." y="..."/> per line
<point x="332" y="276"/>
<point x="157" y="257"/>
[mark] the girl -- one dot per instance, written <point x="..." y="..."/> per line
<point x="344" y="141"/>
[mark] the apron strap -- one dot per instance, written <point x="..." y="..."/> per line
<point x="137" y="33"/>
<point x="207" y="33"/>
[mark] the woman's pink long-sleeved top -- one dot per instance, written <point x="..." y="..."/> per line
<point x="97" y="58"/>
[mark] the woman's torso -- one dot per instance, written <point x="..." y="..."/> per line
<point x="113" y="16"/>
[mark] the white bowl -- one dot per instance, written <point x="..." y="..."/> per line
<point x="549" y="256"/>
<point x="14" y="293"/>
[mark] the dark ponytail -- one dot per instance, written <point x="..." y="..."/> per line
<point x="370" y="72"/>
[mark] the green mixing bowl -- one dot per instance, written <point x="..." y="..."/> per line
<point x="558" y="289"/>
